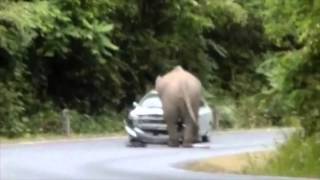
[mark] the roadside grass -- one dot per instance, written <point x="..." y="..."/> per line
<point x="81" y="129"/>
<point x="58" y="137"/>
<point x="82" y="126"/>
<point x="299" y="157"/>
<point x="231" y="163"/>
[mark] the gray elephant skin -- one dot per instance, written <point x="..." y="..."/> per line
<point x="180" y="93"/>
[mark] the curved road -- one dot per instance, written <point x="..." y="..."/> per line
<point x="109" y="158"/>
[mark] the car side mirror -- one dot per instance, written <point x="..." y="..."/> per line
<point x="135" y="104"/>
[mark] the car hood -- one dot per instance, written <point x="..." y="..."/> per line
<point x="146" y="111"/>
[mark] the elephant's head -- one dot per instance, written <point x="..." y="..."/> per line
<point x="178" y="68"/>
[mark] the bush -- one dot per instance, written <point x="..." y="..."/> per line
<point x="44" y="119"/>
<point x="245" y="112"/>
<point x="100" y="123"/>
<point x="11" y="110"/>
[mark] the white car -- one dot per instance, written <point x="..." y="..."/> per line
<point x="145" y="122"/>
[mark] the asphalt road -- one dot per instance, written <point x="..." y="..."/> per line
<point x="109" y="158"/>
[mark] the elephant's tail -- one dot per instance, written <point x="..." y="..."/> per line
<point x="189" y="107"/>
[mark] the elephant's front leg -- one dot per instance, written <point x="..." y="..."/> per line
<point x="171" y="118"/>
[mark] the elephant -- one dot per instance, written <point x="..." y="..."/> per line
<point x="180" y="94"/>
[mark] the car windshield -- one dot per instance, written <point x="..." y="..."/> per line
<point x="151" y="102"/>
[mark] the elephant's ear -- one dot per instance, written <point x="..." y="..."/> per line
<point x="158" y="82"/>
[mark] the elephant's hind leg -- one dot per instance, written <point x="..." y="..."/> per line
<point x="171" y="119"/>
<point x="191" y="129"/>
<point x="188" y="133"/>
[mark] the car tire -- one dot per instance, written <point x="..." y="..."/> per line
<point x="205" y="138"/>
<point x="136" y="143"/>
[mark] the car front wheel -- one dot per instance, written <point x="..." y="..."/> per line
<point x="205" y="138"/>
<point x="135" y="143"/>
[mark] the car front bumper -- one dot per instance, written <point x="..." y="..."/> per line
<point x="138" y="134"/>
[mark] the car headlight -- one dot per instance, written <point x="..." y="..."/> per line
<point x="133" y="117"/>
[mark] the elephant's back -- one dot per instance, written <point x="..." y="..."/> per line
<point x="177" y="82"/>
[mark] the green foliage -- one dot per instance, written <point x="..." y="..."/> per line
<point x="299" y="157"/>
<point x="14" y="98"/>
<point x="10" y="111"/>
<point x="256" y="59"/>
<point x="292" y="73"/>
<point x="19" y="22"/>
<point x="105" y="122"/>
<point x="43" y="119"/>
<point x="40" y="36"/>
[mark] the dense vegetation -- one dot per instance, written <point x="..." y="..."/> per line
<point x="257" y="59"/>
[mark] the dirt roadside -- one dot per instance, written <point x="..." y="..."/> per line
<point x="237" y="163"/>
